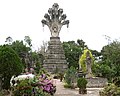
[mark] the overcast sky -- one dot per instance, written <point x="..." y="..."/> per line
<point x="90" y="20"/>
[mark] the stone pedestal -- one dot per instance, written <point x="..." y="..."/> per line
<point x="88" y="75"/>
<point x="96" y="82"/>
<point x="80" y="74"/>
<point x="55" y="58"/>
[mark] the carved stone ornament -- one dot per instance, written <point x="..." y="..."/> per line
<point x="55" y="19"/>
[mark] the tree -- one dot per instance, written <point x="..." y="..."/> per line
<point x="72" y="52"/>
<point x="81" y="43"/>
<point x="10" y="64"/>
<point x="28" y="58"/>
<point x="21" y="49"/>
<point x="109" y="65"/>
<point x="37" y="61"/>
<point x="43" y="48"/>
<point x="28" y="40"/>
<point x="9" y="40"/>
<point x="111" y="58"/>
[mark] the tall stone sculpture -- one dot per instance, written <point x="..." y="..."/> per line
<point x="88" y="65"/>
<point x="55" y="58"/>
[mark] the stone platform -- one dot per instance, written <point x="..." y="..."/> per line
<point x="96" y="82"/>
<point x="55" y="57"/>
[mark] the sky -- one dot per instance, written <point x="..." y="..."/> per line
<point x="90" y="20"/>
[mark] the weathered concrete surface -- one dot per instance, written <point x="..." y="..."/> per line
<point x="55" y="56"/>
<point x="97" y="82"/>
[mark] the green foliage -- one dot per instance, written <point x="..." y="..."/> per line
<point x="110" y="90"/>
<point x="38" y="67"/>
<point x="10" y="64"/>
<point x="36" y="59"/>
<point x="96" y="69"/>
<point x="25" y="52"/>
<point x="28" y="40"/>
<point x="72" y="52"/>
<point x="116" y="81"/>
<point x="26" y="87"/>
<point x="67" y="85"/>
<point x="70" y="76"/>
<point x="40" y="85"/>
<point x="20" y="48"/>
<point x="106" y="70"/>
<point x="111" y="60"/>
<point x="82" y="82"/>
<point x="9" y="40"/>
<point x="23" y="88"/>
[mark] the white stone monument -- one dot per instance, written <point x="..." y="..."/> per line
<point x="55" y="58"/>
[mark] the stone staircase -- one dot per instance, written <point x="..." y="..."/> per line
<point x="55" y="57"/>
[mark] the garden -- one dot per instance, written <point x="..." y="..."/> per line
<point x="17" y="58"/>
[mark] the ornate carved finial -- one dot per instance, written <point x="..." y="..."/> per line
<point x="55" y="19"/>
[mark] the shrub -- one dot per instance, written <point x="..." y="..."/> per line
<point x="82" y="82"/>
<point x="110" y="90"/>
<point x="116" y="81"/>
<point x="10" y="64"/>
<point x="70" y="76"/>
<point x="23" y="88"/>
<point x="37" y="86"/>
<point x="67" y="86"/>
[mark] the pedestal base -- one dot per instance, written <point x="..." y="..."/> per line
<point x="96" y="82"/>
<point x="55" y="58"/>
<point x="89" y="75"/>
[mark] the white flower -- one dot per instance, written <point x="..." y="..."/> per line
<point x="21" y="77"/>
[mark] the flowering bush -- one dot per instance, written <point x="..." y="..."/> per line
<point x="13" y="81"/>
<point x="40" y="85"/>
<point x="46" y="84"/>
<point x="23" y="87"/>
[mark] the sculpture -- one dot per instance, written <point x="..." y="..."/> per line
<point x="55" y="20"/>
<point x="88" y="64"/>
<point x="85" y="63"/>
<point x="54" y="56"/>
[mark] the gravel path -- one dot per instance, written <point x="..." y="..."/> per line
<point x="61" y="91"/>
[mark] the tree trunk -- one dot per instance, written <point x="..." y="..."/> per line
<point x="82" y="91"/>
